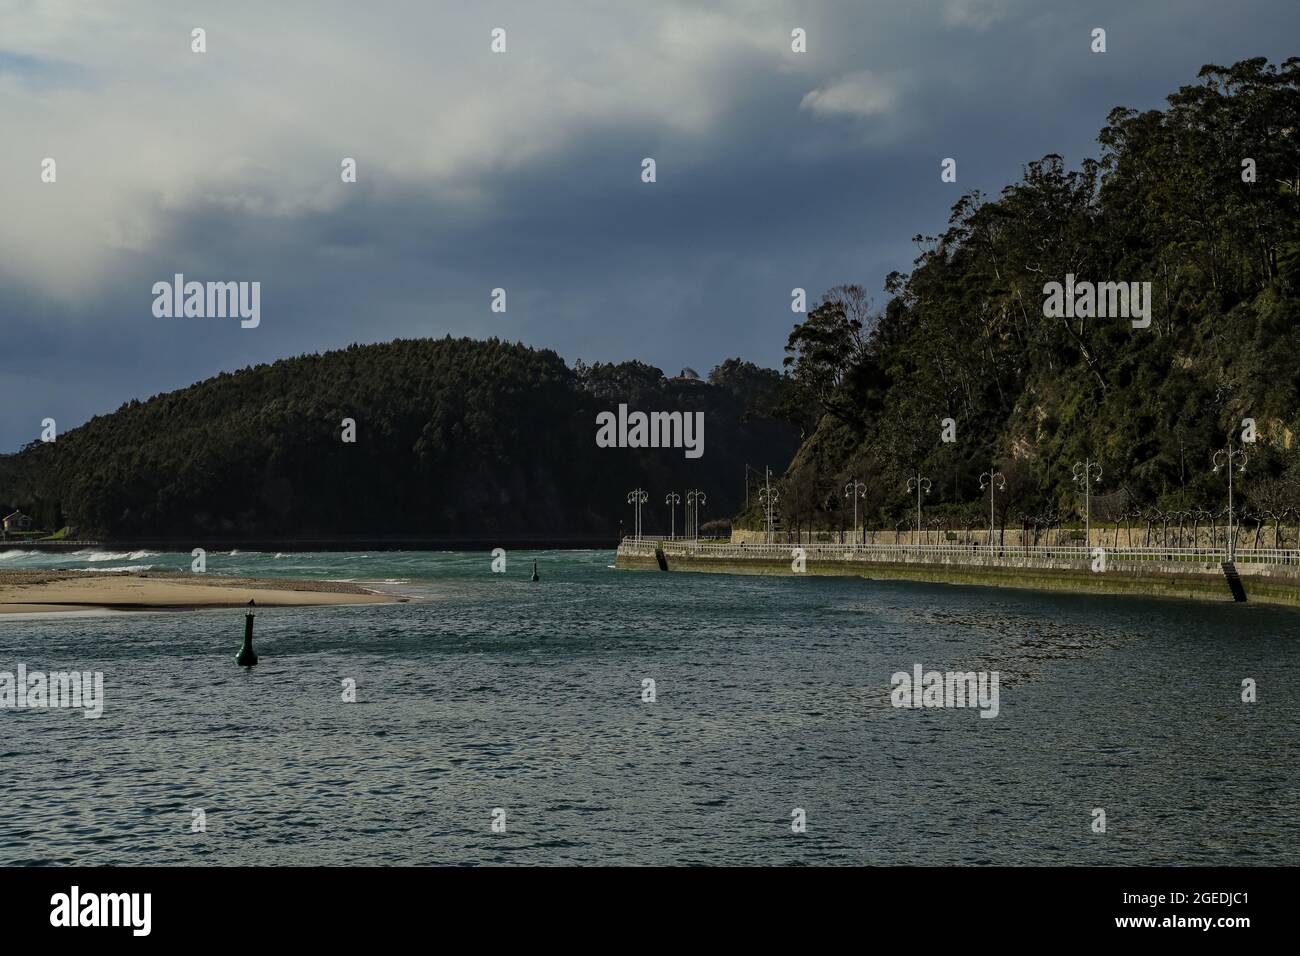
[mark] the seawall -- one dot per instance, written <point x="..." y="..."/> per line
<point x="1202" y="580"/>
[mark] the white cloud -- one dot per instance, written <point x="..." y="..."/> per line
<point x="261" y="121"/>
<point x="977" y="14"/>
<point x="856" y="94"/>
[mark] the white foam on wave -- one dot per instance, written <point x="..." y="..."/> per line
<point x="97" y="556"/>
<point x="14" y="555"/>
<point x="118" y="569"/>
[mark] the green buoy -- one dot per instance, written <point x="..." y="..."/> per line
<point x="246" y="657"/>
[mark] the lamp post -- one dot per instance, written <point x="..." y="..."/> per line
<point x="693" y="500"/>
<point x="1226" y="458"/>
<point x="768" y="496"/>
<point x="855" y="490"/>
<point x="919" y="482"/>
<point x="990" y="479"/>
<point x="1084" y="475"/>
<point x="672" y="501"/>
<point x="638" y="497"/>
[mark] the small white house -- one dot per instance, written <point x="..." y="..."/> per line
<point x="17" y="522"/>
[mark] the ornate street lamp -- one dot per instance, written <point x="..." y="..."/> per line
<point x="638" y="497"/>
<point x="919" y="483"/>
<point x="855" y="490"/>
<point x="768" y="497"/>
<point x="1085" y="475"/>
<point x="672" y="501"/>
<point x="991" y="479"/>
<point x="1226" y="458"/>
<point x="693" y="500"/>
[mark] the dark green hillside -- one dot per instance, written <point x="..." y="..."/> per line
<point x="964" y="336"/>
<point x="454" y="437"/>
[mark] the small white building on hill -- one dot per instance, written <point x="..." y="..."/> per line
<point x="17" y="522"/>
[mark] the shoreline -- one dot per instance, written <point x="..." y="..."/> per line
<point x="39" y="592"/>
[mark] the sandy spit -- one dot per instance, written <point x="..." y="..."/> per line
<point x="24" y="592"/>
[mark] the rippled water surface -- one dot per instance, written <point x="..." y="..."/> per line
<point x="488" y="691"/>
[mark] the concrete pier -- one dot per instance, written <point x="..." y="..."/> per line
<point x="1266" y="578"/>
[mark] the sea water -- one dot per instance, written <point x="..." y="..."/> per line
<point x="500" y="721"/>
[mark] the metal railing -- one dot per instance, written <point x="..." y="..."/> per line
<point x="12" y="543"/>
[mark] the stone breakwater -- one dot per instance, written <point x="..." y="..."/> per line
<point x="1199" y="578"/>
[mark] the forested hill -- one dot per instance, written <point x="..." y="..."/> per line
<point x="453" y="437"/>
<point x="1200" y="199"/>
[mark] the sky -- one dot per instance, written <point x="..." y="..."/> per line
<point x="519" y="170"/>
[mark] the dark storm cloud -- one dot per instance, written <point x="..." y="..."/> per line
<point x="784" y="172"/>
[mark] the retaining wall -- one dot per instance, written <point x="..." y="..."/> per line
<point x="1182" y="580"/>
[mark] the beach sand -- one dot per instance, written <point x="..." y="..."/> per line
<point x="26" y="592"/>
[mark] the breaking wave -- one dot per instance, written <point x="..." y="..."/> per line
<point x="119" y="569"/>
<point x="96" y="556"/>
